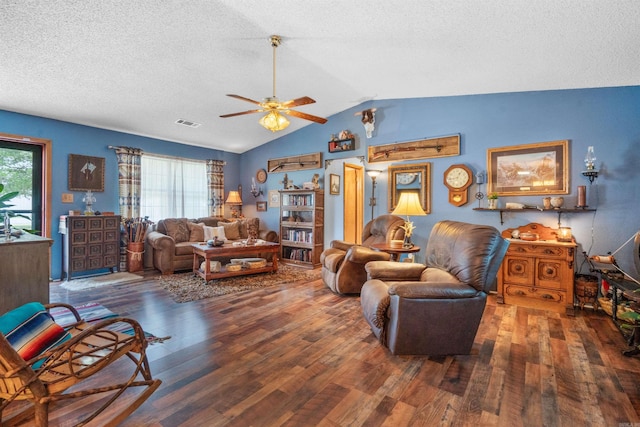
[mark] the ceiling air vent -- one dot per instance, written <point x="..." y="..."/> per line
<point x="187" y="123"/>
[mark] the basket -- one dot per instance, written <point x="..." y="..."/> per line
<point x="234" y="267"/>
<point x="250" y="262"/>
<point x="586" y="290"/>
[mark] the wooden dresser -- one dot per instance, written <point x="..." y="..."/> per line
<point x="89" y="243"/>
<point x="538" y="274"/>
<point x="24" y="271"/>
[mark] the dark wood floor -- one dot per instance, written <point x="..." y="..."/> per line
<point x="299" y="355"/>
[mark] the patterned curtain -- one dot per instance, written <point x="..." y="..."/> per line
<point x="215" y="183"/>
<point x="128" y="192"/>
<point x="129" y="181"/>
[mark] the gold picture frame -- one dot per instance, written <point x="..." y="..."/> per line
<point x="86" y="173"/>
<point x="529" y="169"/>
<point x="414" y="177"/>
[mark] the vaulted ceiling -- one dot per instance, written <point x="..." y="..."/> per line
<point x="137" y="66"/>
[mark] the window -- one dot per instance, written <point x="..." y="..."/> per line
<point x="21" y="170"/>
<point x="173" y="188"/>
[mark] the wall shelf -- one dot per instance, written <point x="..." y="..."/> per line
<point x="559" y="211"/>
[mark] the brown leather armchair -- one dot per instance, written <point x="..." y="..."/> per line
<point x="343" y="263"/>
<point x="435" y="309"/>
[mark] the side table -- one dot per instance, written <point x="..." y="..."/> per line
<point x="393" y="251"/>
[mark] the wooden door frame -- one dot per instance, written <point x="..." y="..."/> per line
<point x="46" y="175"/>
<point x="359" y="203"/>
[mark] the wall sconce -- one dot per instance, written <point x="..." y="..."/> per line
<point x="564" y="234"/>
<point x="255" y="191"/>
<point x="590" y="163"/>
<point x="235" y="202"/>
<point x="373" y="173"/>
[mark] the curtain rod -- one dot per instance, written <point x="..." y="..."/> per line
<point x="165" y="156"/>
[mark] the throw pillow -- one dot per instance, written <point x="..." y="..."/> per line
<point x="30" y="330"/>
<point x="231" y="230"/>
<point x="211" y="232"/>
<point x="178" y="229"/>
<point x="196" y="232"/>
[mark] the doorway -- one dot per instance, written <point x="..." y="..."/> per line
<point x="353" y="202"/>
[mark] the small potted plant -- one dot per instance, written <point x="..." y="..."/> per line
<point x="493" y="200"/>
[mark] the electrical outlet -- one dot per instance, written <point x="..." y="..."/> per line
<point x="67" y="197"/>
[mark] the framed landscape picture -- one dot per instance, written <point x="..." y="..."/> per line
<point x="529" y="170"/>
<point x="261" y="206"/>
<point x="86" y="173"/>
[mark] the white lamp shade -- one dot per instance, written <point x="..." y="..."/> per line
<point x="409" y="204"/>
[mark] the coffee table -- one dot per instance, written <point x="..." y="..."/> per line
<point x="229" y="250"/>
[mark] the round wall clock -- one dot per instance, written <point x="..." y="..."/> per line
<point x="261" y="176"/>
<point x="405" y="178"/>
<point x="458" y="178"/>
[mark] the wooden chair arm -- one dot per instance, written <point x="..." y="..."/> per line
<point x="68" y="307"/>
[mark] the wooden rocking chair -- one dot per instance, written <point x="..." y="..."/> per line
<point x="86" y="350"/>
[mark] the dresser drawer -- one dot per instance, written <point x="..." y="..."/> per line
<point x="551" y="296"/>
<point x="534" y="250"/>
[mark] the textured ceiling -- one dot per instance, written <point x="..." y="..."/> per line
<point x="139" y="65"/>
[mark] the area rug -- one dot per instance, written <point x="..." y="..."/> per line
<point x="93" y="312"/>
<point x="186" y="287"/>
<point x="97" y="281"/>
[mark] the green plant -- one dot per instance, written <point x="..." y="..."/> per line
<point x="492" y="196"/>
<point x="4" y="202"/>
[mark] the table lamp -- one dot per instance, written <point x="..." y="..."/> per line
<point x="234" y="200"/>
<point x="409" y="204"/>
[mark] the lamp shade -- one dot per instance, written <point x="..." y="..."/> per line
<point x="234" y="198"/>
<point x="373" y="173"/>
<point x="274" y="121"/>
<point x="409" y="204"/>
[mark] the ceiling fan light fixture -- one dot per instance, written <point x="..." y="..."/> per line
<point x="274" y="121"/>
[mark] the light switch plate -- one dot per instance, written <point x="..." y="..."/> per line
<point x="67" y="197"/>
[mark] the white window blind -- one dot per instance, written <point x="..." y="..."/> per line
<point x="173" y="188"/>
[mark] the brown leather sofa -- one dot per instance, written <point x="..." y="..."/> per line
<point x="171" y="240"/>
<point x="435" y="309"/>
<point x="343" y="263"/>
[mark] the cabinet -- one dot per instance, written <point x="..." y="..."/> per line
<point x="538" y="274"/>
<point x="301" y="226"/>
<point x="24" y="271"/>
<point x="89" y="243"/>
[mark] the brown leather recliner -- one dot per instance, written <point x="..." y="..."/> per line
<point x="343" y="263"/>
<point x="435" y="309"/>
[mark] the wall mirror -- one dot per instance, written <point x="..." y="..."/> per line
<point x="414" y="177"/>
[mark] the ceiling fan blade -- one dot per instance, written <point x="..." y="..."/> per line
<point x="242" y="98"/>
<point x="298" y="101"/>
<point x="306" y="116"/>
<point x="240" y="114"/>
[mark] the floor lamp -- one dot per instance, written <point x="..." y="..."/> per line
<point x="373" y="173"/>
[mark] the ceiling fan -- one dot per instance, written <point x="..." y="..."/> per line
<point x="274" y="120"/>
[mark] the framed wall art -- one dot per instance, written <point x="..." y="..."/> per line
<point x="529" y="170"/>
<point x="261" y="206"/>
<point x="274" y="199"/>
<point x="334" y="184"/>
<point x="86" y="173"/>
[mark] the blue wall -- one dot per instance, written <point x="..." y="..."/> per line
<point x="68" y="138"/>
<point x="607" y="118"/>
